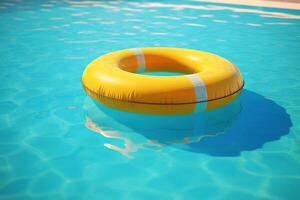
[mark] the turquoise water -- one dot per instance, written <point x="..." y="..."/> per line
<point x="56" y="143"/>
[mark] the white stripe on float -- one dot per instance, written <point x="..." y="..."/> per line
<point x="200" y="90"/>
<point x="140" y="60"/>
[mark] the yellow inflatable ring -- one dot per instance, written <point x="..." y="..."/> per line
<point x="208" y="78"/>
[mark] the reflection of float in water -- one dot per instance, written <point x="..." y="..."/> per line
<point x="152" y="132"/>
<point x="129" y="145"/>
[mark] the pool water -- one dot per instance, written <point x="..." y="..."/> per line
<point x="56" y="143"/>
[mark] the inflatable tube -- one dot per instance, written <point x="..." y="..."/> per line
<point x="209" y="79"/>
